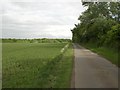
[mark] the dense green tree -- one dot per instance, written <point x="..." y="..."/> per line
<point x="100" y="24"/>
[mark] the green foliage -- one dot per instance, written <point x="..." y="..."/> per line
<point x="113" y="36"/>
<point x="99" y="24"/>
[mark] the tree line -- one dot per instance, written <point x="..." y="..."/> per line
<point x="99" y="24"/>
<point x="42" y="40"/>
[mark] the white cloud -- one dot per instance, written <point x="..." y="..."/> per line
<point x="40" y="18"/>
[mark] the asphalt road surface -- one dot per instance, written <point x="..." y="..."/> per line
<point x="92" y="70"/>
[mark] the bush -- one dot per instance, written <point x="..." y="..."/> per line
<point x="113" y="36"/>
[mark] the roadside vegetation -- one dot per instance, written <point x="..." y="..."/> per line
<point x="99" y="29"/>
<point x="108" y="53"/>
<point x="37" y="65"/>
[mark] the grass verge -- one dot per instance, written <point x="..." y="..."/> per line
<point x="108" y="53"/>
<point x="58" y="72"/>
<point x="65" y="66"/>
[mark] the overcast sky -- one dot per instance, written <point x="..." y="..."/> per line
<point x="39" y="18"/>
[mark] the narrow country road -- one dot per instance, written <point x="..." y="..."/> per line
<point x="93" y="71"/>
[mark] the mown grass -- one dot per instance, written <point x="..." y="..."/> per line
<point x="36" y="65"/>
<point x="65" y="69"/>
<point x="108" y="53"/>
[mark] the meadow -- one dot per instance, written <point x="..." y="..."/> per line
<point x="36" y="65"/>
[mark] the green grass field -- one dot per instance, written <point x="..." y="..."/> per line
<point x="36" y="65"/>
